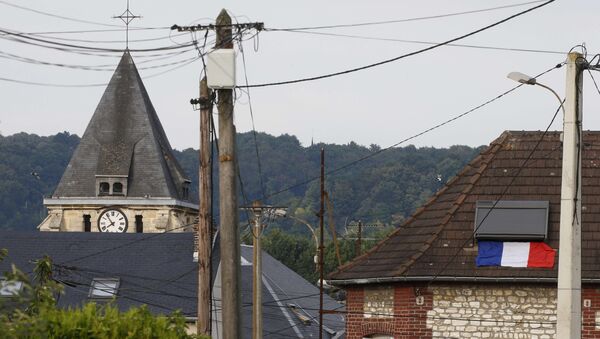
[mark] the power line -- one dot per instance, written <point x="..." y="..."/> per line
<point x="16" y="37"/>
<point x="413" y="136"/>
<point x="330" y="75"/>
<point x="46" y="84"/>
<point x="594" y="80"/>
<point x="495" y="48"/>
<point x="101" y="68"/>
<point x="404" y="20"/>
<point x="183" y="64"/>
<point x="109" y="41"/>
<point x="92" y="31"/>
<point x="260" y="173"/>
<point x="150" y="236"/>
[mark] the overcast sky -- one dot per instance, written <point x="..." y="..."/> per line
<point x="381" y="105"/>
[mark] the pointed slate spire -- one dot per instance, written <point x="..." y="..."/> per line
<point x="125" y="139"/>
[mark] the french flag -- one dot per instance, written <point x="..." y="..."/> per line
<point x="515" y="254"/>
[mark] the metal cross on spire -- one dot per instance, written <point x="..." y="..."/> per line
<point x="127" y="17"/>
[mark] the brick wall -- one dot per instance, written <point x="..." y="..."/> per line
<point x="590" y="312"/>
<point x="467" y="311"/>
<point x="408" y="322"/>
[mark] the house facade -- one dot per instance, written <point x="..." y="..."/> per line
<point x="423" y="281"/>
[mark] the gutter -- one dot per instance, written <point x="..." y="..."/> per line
<point x="346" y="282"/>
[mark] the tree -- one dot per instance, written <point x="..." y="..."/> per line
<point x="33" y="313"/>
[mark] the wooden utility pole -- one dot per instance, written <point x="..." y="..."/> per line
<point x="257" y="321"/>
<point x="321" y="232"/>
<point x="228" y="206"/>
<point x="258" y="211"/>
<point x="204" y="214"/>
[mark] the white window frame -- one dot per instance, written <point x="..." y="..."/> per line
<point x="10" y="288"/>
<point x="108" y="292"/>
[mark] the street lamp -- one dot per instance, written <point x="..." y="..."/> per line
<point x="568" y="292"/>
<point x="314" y="234"/>
<point x="527" y="80"/>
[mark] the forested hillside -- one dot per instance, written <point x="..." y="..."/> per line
<point x="384" y="188"/>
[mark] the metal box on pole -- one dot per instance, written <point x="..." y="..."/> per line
<point x="220" y="69"/>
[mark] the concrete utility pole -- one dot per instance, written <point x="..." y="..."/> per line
<point x="568" y="309"/>
<point x="204" y="214"/>
<point x="228" y="206"/>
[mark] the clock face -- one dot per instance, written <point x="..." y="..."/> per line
<point x="112" y="220"/>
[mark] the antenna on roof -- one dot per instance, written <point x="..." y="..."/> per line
<point x="127" y="17"/>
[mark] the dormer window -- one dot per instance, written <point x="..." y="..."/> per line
<point x="104" y="188"/>
<point x="185" y="190"/>
<point x="104" y="287"/>
<point x="117" y="188"/>
<point x="111" y="185"/>
<point x="10" y="288"/>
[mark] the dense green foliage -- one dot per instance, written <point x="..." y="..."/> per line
<point x="33" y="314"/>
<point x="30" y="168"/>
<point x="386" y="187"/>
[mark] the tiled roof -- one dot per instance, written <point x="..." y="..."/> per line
<point x="124" y="137"/>
<point x="157" y="270"/>
<point x="437" y="240"/>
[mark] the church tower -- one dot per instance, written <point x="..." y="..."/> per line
<point x="123" y="176"/>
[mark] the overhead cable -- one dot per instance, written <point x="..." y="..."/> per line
<point x="461" y="115"/>
<point x="330" y="75"/>
<point x="404" y="20"/>
<point x="495" y="48"/>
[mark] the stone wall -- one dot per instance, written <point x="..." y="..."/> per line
<point x="493" y="311"/>
<point x="154" y="218"/>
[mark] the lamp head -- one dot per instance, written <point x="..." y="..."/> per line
<point x="280" y="212"/>
<point x="522" y="78"/>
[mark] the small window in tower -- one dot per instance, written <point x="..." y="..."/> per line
<point x="139" y="224"/>
<point x="87" y="223"/>
<point x="117" y="188"/>
<point x="104" y="188"/>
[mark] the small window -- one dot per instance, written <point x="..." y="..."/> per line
<point x="185" y="191"/>
<point x="104" y="188"/>
<point x="139" y="224"/>
<point x="117" y="188"/>
<point x="511" y="220"/>
<point x="104" y="288"/>
<point x="9" y="288"/>
<point x="87" y="223"/>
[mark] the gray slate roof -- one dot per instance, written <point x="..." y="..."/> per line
<point x="158" y="270"/>
<point x="124" y="137"/>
